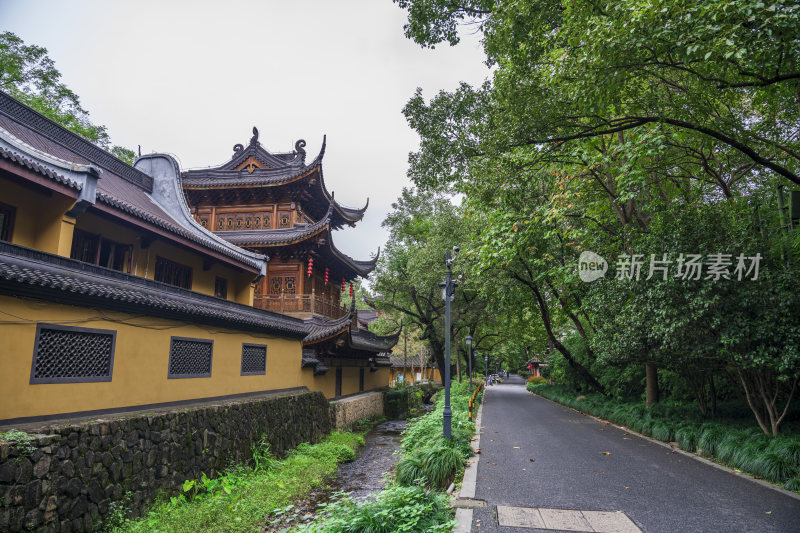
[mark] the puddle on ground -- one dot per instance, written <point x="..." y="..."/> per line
<point x="361" y="478"/>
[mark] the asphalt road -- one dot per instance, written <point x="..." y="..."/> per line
<point x="579" y="463"/>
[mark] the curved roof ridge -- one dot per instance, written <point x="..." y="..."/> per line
<point x="362" y="267"/>
<point x="168" y="195"/>
<point x="322" y="328"/>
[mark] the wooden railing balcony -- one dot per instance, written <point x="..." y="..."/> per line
<point x="303" y="305"/>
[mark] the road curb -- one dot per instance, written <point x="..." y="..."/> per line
<point x="675" y="449"/>
<point x="470" y="481"/>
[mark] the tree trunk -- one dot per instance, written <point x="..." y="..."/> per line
<point x="544" y="311"/>
<point x="652" y="385"/>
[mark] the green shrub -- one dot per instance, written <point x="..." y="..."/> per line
<point x="788" y="449"/>
<point x="396" y="509"/>
<point x="687" y="438"/>
<point x="710" y="438"/>
<point x="408" y="470"/>
<point x="793" y="484"/>
<point x="729" y="449"/>
<point x="772" y="467"/>
<point x="662" y="432"/>
<point x="440" y="465"/>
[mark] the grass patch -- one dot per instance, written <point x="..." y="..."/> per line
<point x="395" y="509"/>
<point x="241" y="498"/>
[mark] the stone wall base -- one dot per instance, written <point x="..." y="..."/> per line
<point x="348" y="411"/>
<point x="76" y="470"/>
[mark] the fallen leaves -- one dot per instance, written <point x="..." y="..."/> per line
<point x="606" y="453"/>
<point x="517" y="447"/>
<point x="532" y="459"/>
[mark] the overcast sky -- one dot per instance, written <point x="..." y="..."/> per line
<point x="193" y="77"/>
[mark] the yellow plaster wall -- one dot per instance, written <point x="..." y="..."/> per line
<point x="350" y="380"/>
<point x="39" y="221"/>
<point x="140" y="362"/>
<point x="375" y="380"/>
<point x="326" y="383"/>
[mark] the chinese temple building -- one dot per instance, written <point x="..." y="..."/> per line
<point x="277" y="205"/>
<point x="116" y="295"/>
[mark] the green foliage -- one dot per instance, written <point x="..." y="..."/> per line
<point x="23" y="442"/>
<point x="396" y="509"/>
<point x="686" y="436"/>
<point x="626" y="127"/>
<point x="238" y="499"/>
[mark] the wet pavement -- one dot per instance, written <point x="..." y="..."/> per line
<point x="360" y="478"/>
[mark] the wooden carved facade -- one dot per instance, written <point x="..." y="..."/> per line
<point x="277" y="205"/>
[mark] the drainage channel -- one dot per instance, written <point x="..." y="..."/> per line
<point x="360" y="478"/>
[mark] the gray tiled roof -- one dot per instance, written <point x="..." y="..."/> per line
<point x="280" y="169"/>
<point x="276" y="237"/>
<point x="43" y="134"/>
<point x="28" y="272"/>
<point x="413" y="360"/>
<point x="14" y="156"/>
<point x="368" y="341"/>
<point x="121" y="186"/>
<point x="319" y="328"/>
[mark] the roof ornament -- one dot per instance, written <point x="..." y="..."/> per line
<point x="298" y="148"/>
<point x="237" y="148"/>
<point x="254" y="138"/>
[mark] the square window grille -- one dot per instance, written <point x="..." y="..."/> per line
<point x="190" y="358"/>
<point x="66" y="354"/>
<point x="254" y="359"/>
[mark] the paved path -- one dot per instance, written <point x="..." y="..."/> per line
<point x="536" y="454"/>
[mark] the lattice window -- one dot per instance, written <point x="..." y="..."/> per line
<point x="267" y="221"/>
<point x="290" y="284"/>
<point x="254" y="359"/>
<point x="173" y="273"/>
<point x="190" y="358"/>
<point x="284" y="219"/>
<point x="275" y="285"/>
<point x="65" y="354"/>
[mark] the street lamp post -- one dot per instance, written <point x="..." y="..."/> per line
<point x="486" y="359"/>
<point x="468" y="340"/>
<point x="448" y="295"/>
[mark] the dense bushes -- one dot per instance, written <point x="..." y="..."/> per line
<point x="427" y="456"/>
<point x="775" y="459"/>
<point x="396" y="509"/>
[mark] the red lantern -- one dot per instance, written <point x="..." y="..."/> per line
<point x="342" y="284"/>
<point x="310" y="266"/>
<point x="326" y="275"/>
<point x="351" y="290"/>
